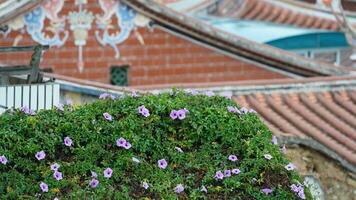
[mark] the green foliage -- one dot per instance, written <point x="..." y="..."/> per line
<point x="208" y="135"/>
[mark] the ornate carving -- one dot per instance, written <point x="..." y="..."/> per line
<point x="34" y="22"/>
<point x="127" y="19"/>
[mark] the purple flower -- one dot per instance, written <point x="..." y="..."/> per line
<point x="58" y="175"/>
<point x="44" y="187"/>
<point x="219" y="175"/>
<point x="145" y="185"/>
<point x="106" y="95"/>
<point x="143" y="111"/>
<point x="174" y="114"/>
<point x="235" y="171"/>
<point x="27" y="111"/>
<point x="179" y="149"/>
<point x="108" y="172"/>
<point x="3" y="160"/>
<point x="134" y="93"/>
<point x="127" y="145"/>
<point x="120" y="142"/>
<point x="181" y="114"/>
<point x="232" y="109"/>
<point x="267" y="191"/>
<point x="162" y="164"/>
<point x="284" y="149"/>
<point x="274" y="140"/>
<point x="68" y="142"/>
<point x="40" y="155"/>
<point x="268" y="156"/>
<point x="295" y="188"/>
<point x="94" y="183"/>
<point x="94" y="174"/>
<point x="179" y="188"/>
<point x="60" y="107"/>
<point x="227" y="95"/>
<point x="233" y="158"/>
<point x="290" y="167"/>
<point x="107" y="116"/>
<point x="55" y="167"/>
<point x="227" y="173"/>
<point x="203" y="189"/>
<point x="244" y="110"/>
<point x="301" y="194"/>
<point x="252" y="111"/>
<point x="209" y="93"/>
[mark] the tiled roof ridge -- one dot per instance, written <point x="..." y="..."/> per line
<point x="231" y="44"/>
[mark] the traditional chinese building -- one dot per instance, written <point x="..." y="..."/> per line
<point x="143" y="43"/>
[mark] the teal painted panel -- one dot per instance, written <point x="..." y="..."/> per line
<point x="311" y="41"/>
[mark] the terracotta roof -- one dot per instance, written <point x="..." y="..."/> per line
<point x="320" y="110"/>
<point x="229" y="44"/>
<point x="327" y="117"/>
<point x="281" y="12"/>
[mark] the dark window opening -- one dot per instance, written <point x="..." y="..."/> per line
<point x="119" y="75"/>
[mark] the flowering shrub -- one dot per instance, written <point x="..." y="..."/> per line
<point x="169" y="146"/>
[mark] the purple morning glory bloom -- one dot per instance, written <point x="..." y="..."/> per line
<point x="274" y="140"/>
<point x="55" y="167"/>
<point x="203" y="189"/>
<point x="295" y="188"/>
<point x="219" y="175"/>
<point x="290" y="167"/>
<point x="106" y="95"/>
<point x="44" y="187"/>
<point x="244" y="110"/>
<point x="120" y="142"/>
<point x="267" y="191"/>
<point x="233" y="158"/>
<point x="143" y="111"/>
<point x="252" y="111"/>
<point x="301" y="194"/>
<point x="27" y="111"/>
<point x="67" y="141"/>
<point x="94" y="183"/>
<point x="181" y="114"/>
<point x="209" y="93"/>
<point x="127" y="145"/>
<point x="134" y="94"/>
<point x="94" y="174"/>
<point x="231" y="109"/>
<point x="235" y="171"/>
<point x="58" y="175"/>
<point x="107" y="116"/>
<point x="268" y="156"/>
<point x="145" y="185"/>
<point x="174" y="114"/>
<point x="179" y="188"/>
<point x="60" y="107"/>
<point x="3" y="160"/>
<point x="162" y="164"/>
<point x="40" y="155"/>
<point x="227" y="173"/>
<point x="108" y="172"/>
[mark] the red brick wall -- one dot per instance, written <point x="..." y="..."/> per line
<point x="164" y="58"/>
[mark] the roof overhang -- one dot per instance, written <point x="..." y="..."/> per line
<point x="12" y="8"/>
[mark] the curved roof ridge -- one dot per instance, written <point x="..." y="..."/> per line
<point x="231" y="44"/>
